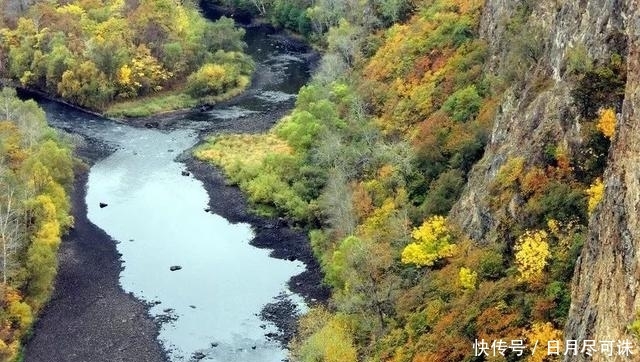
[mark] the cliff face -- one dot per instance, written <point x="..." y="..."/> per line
<point x="11" y="9"/>
<point x="538" y="112"/>
<point x="605" y="298"/>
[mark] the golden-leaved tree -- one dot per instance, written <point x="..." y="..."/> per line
<point x="432" y="242"/>
<point x="532" y="252"/>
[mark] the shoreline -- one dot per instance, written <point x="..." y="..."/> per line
<point x="287" y="38"/>
<point x="91" y="318"/>
<point x="274" y="234"/>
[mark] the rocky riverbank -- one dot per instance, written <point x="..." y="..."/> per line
<point x="90" y="317"/>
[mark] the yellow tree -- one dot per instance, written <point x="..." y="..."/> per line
<point x="324" y="337"/>
<point x="145" y="74"/>
<point x="532" y="252"/>
<point x="468" y="278"/>
<point x="541" y="334"/>
<point x="607" y="122"/>
<point x="432" y="242"/>
<point x="595" y="192"/>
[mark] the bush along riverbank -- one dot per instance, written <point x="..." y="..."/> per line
<point x="36" y="176"/>
<point x="125" y="60"/>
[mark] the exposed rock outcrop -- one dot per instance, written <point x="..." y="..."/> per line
<point x="537" y="111"/>
<point x="605" y="298"/>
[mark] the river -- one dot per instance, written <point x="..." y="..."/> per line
<point x="159" y="216"/>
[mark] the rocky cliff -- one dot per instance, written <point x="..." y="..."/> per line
<point x="605" y="298"/>
<point x="11" y="9"/>
<point x="538" y="110"/>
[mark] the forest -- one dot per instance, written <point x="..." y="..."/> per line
<point x="36" y="176"/>
<point x="108" y="55"/>
<point x="377" y="151"/>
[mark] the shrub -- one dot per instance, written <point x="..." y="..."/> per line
<point x="491" y="265"/>
<point x="443" y="193"/>
<point x="467" y="278"/>
<point x="212" y="79"/>
<point x="560" y="201"/>
<point x="578" y="60"/>
<point x="464" y="104"/>
<point x="601" y="87"/>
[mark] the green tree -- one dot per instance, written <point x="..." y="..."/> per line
<point x="86" y="85"/>
<point x="464" y="104"/>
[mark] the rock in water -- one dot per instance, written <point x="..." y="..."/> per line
<point x="185" y="173"/>
<point x="103" y="205"/>
<point x="198" y="356"/>
<point x="175" y="267"/>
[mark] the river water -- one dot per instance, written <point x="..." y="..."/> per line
<point x="157" y="216"/>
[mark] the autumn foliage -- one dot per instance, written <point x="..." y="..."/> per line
<point x="36" y="171"/>
<point x="595" y="193"/>
<point x="378" y="149"/>
<point x="607" y="122"/>
<point x="432" y="242"/>
<point x="94" y="53"/>
<point x="532" y="252"/>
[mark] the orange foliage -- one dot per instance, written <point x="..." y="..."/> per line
<point x="542" y="309"/>
<point x="467" y="6"/>
<point x="450" y="348"/>
<point x="433" y="131"/>
<point x="362" y="202"/>
<point x="494" y="324"/>
<point x="410" y="79"/>
<point x="534" y="181"/>
<point x="385" y="171"/>
<point x="487" y="112"/>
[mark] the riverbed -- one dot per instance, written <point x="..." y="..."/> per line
<point x="185" y="241"/>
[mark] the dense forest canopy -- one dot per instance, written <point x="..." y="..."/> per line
<point x="36" y="175"/>
<point x="94" y="52"/>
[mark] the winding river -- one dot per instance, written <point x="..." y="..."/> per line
<point x="159" y="218"/>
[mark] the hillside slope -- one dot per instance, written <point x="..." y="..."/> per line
<point x="499" y="115"/>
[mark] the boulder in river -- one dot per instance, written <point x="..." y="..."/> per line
<point x="186" y="173"/>
<point x="103" y="205"/>
<point x="175" y="267"/>
<point x="198" y="356"/>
